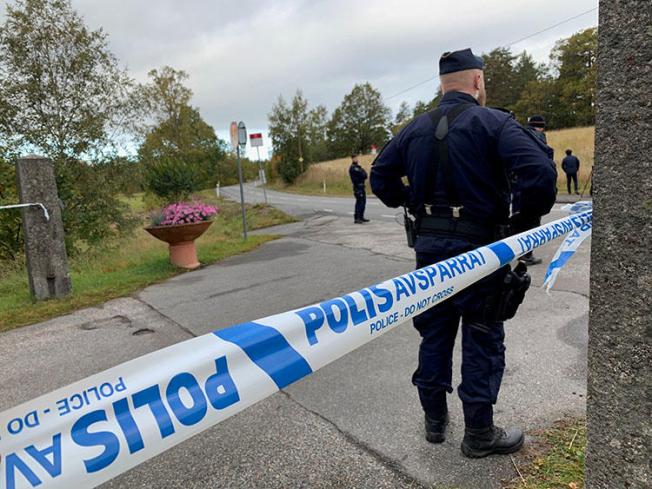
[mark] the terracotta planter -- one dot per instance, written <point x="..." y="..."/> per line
<point x="181" y="238"/>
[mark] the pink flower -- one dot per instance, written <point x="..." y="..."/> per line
<point x="187" y="212"/>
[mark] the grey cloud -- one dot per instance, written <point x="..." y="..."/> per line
<point x="241" y="55"/>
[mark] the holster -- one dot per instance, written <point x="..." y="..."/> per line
<point x="410" y="228"/>
<point x="503" y="305"/>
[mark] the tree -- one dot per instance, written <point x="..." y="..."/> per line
<point x="540" y="97"/>
<point x="499" y="77"/>
<point x="402" y="117"/>
<point x="574" y="59"/>
<point x="164" y="97"/>
<point x="297" y="133"/>
<point x="63" y="94"/>
<point x="317" y="134"/>
<point x="525" y="71"/>
<point x="62" y="91"/>
<point x="422" y="107"/>
<point x="361" y="120"/>
<point x="181" y="155"/>
<point x="180" y="152"/>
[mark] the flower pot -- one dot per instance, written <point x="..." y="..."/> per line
<point x="181" y="240"/>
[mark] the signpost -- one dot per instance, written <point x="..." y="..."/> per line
<point x="238" y="133"/>
<point x="256" y="140"/>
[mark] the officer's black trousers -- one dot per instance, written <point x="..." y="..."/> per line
<point x="360" y="203"/>
<point x="569" y="177"/>
<point x="483" y="350"/>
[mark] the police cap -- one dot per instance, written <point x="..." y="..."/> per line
<point x="453" y="61"/>
<point x="536" y="121"/>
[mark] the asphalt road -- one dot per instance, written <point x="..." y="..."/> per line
<point x="304" y="206"/>
<point x="355" y="423"/>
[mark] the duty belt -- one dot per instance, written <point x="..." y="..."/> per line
<point x="460" y="228"/>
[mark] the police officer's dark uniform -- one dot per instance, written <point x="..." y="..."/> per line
<point x="358" y="177"/>
<point x="571" y="165"/>
<point x="460" y="204"/>
<point x="536" y="125"/>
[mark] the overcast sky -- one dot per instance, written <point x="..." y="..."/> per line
<point x="242" y="54"/>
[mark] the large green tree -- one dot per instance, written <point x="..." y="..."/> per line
<point x="499" y="78"/>
<point x="63" y="94"/>
<point x="180" y="152"/>
<point x="298" y="135"/>
<point x="360" y="121"/>
<point x="61" y="90"/>
<point x="574" y="59"/>
<point x="565" y="94"/>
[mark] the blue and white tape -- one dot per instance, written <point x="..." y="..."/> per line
<point x="95" y="429"/>
<point x="570" y="244"/>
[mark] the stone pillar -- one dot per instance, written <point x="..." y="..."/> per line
<point x="620" y="323"/>
<point x="47" y="262"/>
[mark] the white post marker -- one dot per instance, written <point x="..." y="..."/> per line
<point x="256" y="140"/>
<point x="99" y="427"/>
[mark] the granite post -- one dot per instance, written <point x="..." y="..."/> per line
<point x="47" y="262"/>
<point x="619" y="402"/>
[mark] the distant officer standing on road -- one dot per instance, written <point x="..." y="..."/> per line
<point x="462" y="162"/>
<point x="571" y="166"/>
<point x="358" y="178"/>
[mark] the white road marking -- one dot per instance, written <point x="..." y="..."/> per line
<point x="328" y="210"/>
<point x="387" y="215"/>
<point x="350" y="213"/>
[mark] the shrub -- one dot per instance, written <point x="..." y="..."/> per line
<point x="289" y="170"/>
<point x="11" y="235"/>
<point x="171" y="180"/>
<point x="91" y="213"/>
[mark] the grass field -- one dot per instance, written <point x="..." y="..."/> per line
<point x="130" y="264"/>
<point x="334" y="174"/>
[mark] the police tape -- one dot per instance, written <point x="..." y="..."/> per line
<point x="569" y="245"/>
<point x="95" y="429"/>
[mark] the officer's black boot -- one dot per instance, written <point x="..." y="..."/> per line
<point x="529" y="259"/>
<point x="436" y="428"/>
<point x="480" y="442"/>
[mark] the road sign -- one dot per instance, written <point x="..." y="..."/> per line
<point x="242" y="134"/>
<point x="233" y="130"/>
<point x="256" y="139"/>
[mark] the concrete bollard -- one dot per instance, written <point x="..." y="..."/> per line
<point x="47" y="261"/>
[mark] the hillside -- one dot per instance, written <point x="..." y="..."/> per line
<point x="334" y="173"/>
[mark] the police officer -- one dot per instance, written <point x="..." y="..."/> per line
<point x="462" y="162"/>
<point x="536" y="126"/>
<point x="358" y="177"/>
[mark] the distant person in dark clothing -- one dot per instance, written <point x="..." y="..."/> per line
<point x="571" y="166"/>
<point x="358" y="177"/>
<point x="536" y="126"/>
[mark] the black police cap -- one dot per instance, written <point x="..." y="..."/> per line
<point x="536" y="121"/>
<point x="453" y="61"/>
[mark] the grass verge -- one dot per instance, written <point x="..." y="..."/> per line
<point x="556" y="461"/>
<point x="130" y="264"/>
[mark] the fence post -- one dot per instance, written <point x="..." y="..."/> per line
<point x="47" y="261"/>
